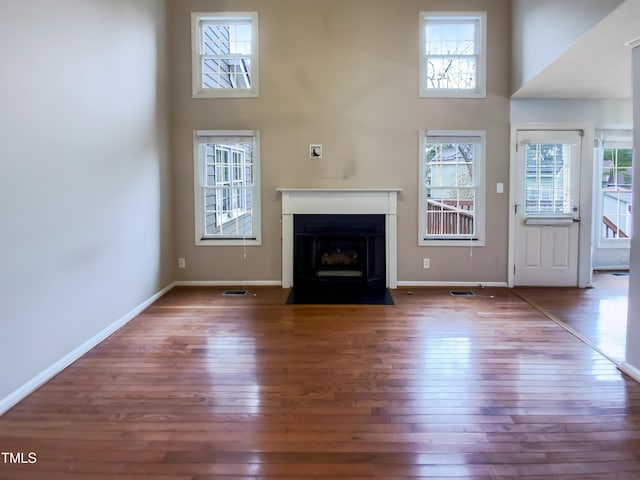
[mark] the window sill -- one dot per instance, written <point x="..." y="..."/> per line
<point x="226" y="93"/>
<point x="228" y="242"/>
<point x="466" y="243"/>
<point x="451" y="94"/>
<point x="624" y="243"/>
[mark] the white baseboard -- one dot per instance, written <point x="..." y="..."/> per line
<point x="227" y="283"/>
<point x="20" y="393"/>
<point x="630" y="370"/>
<point x="417" y="283"/>
<point x="273" y="283"/>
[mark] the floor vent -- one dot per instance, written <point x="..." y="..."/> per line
<point x="234" y="293"/>
<point x="462" y="293"/>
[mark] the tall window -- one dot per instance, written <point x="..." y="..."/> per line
<point x="452" y="54"/>
<point x="614" y="155"/>
<point x="225" y="54"/>
<point x="451" y="187"/>
<point x="227" y="187"/>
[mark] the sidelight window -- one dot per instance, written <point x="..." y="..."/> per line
<point x="614" y="157"/>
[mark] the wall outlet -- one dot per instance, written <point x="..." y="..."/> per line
<point x="426" y="263"/>
<point x="181" y="263"/>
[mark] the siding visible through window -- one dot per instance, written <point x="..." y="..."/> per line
<point x="227" y="197"/>
<point x="225" y="54"/>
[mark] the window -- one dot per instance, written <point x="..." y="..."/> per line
<point x="451" y="188"/>
<point x="227" y="187"/>
<point x="225" y="54"/>
<point x="614" y="158"/>
<point x="548" y="179"/>
<point x="452" y="54"/>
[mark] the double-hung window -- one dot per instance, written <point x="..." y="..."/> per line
<point x="225" y="54"/>
<point x="614" y="157"/>
<point x="453" y="54"/>
<point x="451" y="188"/>
<point x="227" y="187"/>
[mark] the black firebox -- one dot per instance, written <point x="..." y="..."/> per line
<point x="339" y="253"/>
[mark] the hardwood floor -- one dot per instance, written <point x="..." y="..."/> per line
<point x="598" y="315"/>
<point x="202" y="386"/>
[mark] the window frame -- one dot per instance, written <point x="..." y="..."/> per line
<point x="201" y="239"/>
<point x="479" y="179"/>
<point x="480" y="91"/>
<point x="198" y="91"/>
<point x="610" y="140"/>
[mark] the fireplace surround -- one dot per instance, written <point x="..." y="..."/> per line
<point x="339" y="203"/>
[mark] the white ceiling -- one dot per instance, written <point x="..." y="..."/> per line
<point x="598" y="65"/>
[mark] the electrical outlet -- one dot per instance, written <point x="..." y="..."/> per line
<point x="426" y="263"/>
<point x="181" y="263"/>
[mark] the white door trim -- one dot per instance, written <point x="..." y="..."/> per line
<point x="586" y="196"/>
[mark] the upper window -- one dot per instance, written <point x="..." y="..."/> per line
<point x="227" y="188"/>
<point x="451" y="187"/>
<point x="614" y="154"/>
<point x="452" y="54"/>
<point x="225" y="54"/>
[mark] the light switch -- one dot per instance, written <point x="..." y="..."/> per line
<point x="499" y="187"/>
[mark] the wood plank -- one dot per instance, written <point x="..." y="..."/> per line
<point x="201" y="386"/>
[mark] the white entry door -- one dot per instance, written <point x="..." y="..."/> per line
<point x="547" y="210"/>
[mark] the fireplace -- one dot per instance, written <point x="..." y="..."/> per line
<point x="339" y="203"/>
<point x="343" y="251"/>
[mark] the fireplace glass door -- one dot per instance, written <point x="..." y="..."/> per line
<point x="342" y="252"/>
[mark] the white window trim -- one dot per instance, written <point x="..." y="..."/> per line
<point x="480" y="206"/>
<point x="481" y="86"/>
<point x="200" y="239"/>
<point x="622" y="142"/>
<point x="196" y="64"/>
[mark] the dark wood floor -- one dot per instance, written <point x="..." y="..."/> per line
<point x="202" y="386"/>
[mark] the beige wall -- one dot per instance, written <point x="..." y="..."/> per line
<point x="84" y="176"/>
<point x="343" y="73"/>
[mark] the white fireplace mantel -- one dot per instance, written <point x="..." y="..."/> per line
<point x="338" y="201"/>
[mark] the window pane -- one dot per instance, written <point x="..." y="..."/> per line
<point x="228" y="205"/>
<point x="547" y="179"/>
<point x="224" y="38"/>
<point x="225" y="54"/>
<point x="451" y="51"/>
<point x="450" y="212"/>
<point x="451" y="37"/>
<point x="451" y="72"/>
<point x="451" y="193"/>
<point x="228" y="212"/>
<point x="449" y="164"/>
<point x="616" y="198"/>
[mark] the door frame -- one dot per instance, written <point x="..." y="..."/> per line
<point x="586" y="203"/>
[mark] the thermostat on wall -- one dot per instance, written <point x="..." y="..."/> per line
<point x="315" y="151"/>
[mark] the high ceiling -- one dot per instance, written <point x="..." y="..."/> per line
<point x="598" y="65"/>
